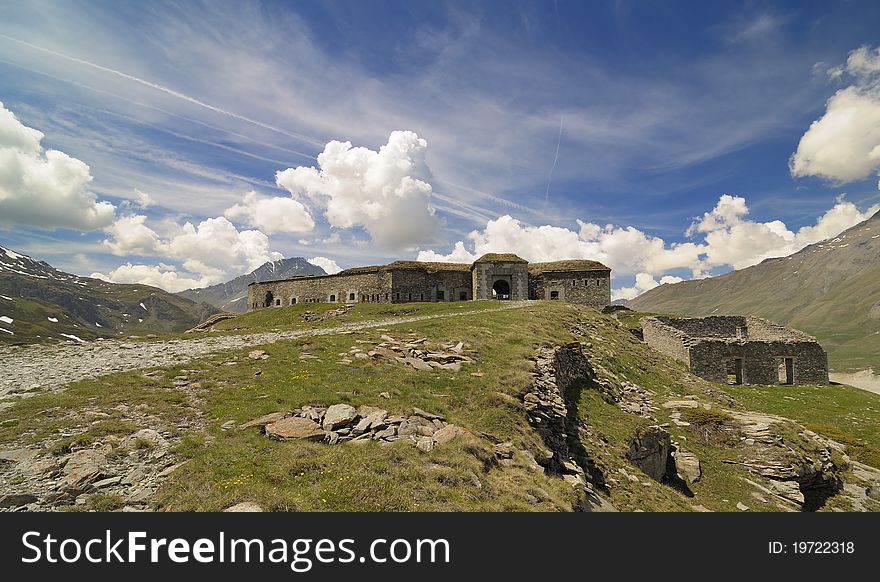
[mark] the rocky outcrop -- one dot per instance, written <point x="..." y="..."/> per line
<point x="649" y="451"/>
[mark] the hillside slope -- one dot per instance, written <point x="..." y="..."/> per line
<point x="829" y="289"/>
<point x="228" y="296"/>
<point x="39" y="302"/>
<point x="542" y="406"/>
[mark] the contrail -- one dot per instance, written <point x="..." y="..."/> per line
<point x="555" y="159"/>
<point x="159" y="109"/>
<point x="167" y="91"/>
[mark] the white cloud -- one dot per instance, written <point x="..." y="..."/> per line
<point x="733" y="240"/>
<point x="212" y="251"/>
<point x="626" y="249"/>
<point x="163" y="276"/>
<point x="729" y="239"/>
<point x="144" y="199"/>
<point x="387" y="192"/>
<point x="644" y="282"/>
<point x="272" y="215"/>
<point x="130" y="236"/>
<point x="844" y="144"/>
<point x="48" y="189"/>
<point x="329" y="265"/>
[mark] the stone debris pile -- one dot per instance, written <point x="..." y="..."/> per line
<point x="417" y="353"/>
<point x="344" y="423"/>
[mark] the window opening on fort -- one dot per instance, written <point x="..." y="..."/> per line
<point x="554" y="295"/>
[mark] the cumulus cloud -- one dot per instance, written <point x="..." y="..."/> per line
<point x="644" y="282"/>
<point x="387" y="192"/>
<point x="271" y="215"/>
<point x="212" y="251"/>
<point x="130" y="236"/>
<point x="329" y="265"/>
<point x="163" y="276"/>
<point x="844" y="144"/>
<point x="626" y="249"/>
<point x="729" y="238"/>
<point x="44" y="188"/>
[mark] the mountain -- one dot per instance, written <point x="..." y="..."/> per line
<point x="39" y="302"/>
<point x="230" y="296"/>
<point x="830" y="289"/>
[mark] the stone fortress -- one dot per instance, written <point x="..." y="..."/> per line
<point x="739" y="349"/>
<point x="493" y="276"/>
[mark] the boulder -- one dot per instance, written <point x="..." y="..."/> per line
<point x="425" y="444"/>
<point x="687" y="465"/>
<point x="448" y="433"/>
<point x="83" y="466"/>
<point x="17" y="455"/>
<point x="649" y="451"/>
<point x="873" y="491"/>
<point x="258" y="355"/>
<point x="265" y="419"/>
<point x="426" y="415"/>
<point x="16" y="500"/>
<point x="371" y="421"/>
<point x="788" y="489"/>
<point x="295" y="428"/>
<point x="339" y="416"/>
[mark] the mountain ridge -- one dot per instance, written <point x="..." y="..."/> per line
<point x="228" y="296"/>
<point x="39" y="302"/>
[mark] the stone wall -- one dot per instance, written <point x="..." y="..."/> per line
<point x="592" y="288"/>
<point x="415" y="285"/>
<point x="485" y="275"/>
<point x="665" y="338"/>
<point x="713" y="357"/>
<point x="354" y="288"/>
<point x="723" y="326"/>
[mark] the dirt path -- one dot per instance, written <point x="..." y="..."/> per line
<point x="50" y="367"/>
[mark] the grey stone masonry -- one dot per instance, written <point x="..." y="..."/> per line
<point x="493" y="276"/>
<point x="739" y="349"/>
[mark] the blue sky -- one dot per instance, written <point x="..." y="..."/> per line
<point x="564" y="115"/>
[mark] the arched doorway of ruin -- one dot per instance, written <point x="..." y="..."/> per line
<point x="501" y="289"/>
<point x="269" y="299"/>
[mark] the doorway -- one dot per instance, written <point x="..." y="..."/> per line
<point x="735" y="371"/>
<point x="269" y="299"/>
<point x="501" y="290"/>
<point x="786" y="371"/>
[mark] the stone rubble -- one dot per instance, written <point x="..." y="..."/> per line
<point x="342" y="423"/>
<point x="416" y="353"/>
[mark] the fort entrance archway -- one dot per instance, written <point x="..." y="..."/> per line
<point x="269" y="299"/>
<point x="501" y="289"/>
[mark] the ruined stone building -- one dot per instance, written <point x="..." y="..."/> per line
<point x="739" y="349"/>
<point x="492" y="276"/>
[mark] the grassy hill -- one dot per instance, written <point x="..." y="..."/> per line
<point x="40" y="303"/>
<point x="830" y="289"/>
<point x="198" y="405"/>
